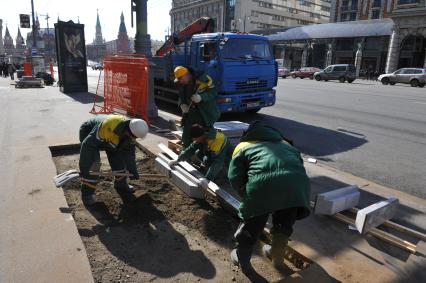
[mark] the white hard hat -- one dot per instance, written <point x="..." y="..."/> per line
<point x="139" y="128"/>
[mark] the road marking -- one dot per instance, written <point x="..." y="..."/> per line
<point x="419" y="102"/>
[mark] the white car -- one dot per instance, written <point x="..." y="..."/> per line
<point x="283" y="72"/>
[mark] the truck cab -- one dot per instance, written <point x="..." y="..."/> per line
<point x="242" y="67"/>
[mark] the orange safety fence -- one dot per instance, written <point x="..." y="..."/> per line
<point x="125" y="86"/>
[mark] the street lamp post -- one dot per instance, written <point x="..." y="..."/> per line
<point x="34" y="37"/>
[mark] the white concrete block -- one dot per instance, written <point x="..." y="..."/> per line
<point x="231" y="128"/>
<point x="330" y="203"/>
<point x="162" y="167"/>
<point x="188" y="187"/>
<point x="375" y="214"/>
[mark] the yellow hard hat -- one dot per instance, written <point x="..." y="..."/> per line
<point x="180" y="71"/>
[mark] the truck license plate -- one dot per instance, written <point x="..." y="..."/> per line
<point x="252" y="105"/>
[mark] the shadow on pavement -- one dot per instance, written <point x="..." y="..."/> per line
<point x="153" y="245"/>
<point x="85" y="97"/>
<point x="309" y="139"/>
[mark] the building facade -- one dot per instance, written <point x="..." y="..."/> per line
<point x="9" y="47"/>
<point x="250" y="15"/>
<point x="354" y="10"/>
<point x="407" y="44"/>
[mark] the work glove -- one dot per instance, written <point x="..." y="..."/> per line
<point x="135" y="176"/>
<point x="173" y="163"/>
<point x="196" y="98"/>
<point x="184" y="108"/>
<point x="204" y="183"/>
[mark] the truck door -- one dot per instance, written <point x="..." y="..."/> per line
<point x="208" y="59"/>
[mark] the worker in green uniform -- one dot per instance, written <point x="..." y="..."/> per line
<point x="116" y="135"/>
<point x="197" y="100"/>
<point x="268" y="173"/>
<point x="214" y="152"/>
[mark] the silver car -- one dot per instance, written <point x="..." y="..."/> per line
<point x="416" y="77"/>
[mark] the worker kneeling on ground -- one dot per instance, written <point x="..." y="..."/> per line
<point x="269" y="175"/>
<point x="116" y="135"/>
<point x="214" y="152"/>
<point x="197" y="100"/>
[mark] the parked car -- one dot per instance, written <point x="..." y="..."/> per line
<point x="97" y="66"/>
<point x="341" y="72"/>
<point x="283" y="72"/>
<point x="307" y="72"/>
<point x="416" y="77"/>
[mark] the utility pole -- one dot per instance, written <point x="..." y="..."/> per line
<point x="48" y="34"/>
<point x="34" y="36"/>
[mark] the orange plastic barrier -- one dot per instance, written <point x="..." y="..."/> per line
<point x="125" y="85"/>
<point x="27" y="69"/>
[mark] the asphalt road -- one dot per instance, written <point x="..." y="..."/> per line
<point x="373" y="131"/>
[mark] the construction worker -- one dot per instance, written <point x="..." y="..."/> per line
<point x="116" y="135"/>
<point x="214" y="152"/>
<point x="268" y="173"/>
<point x="197" y="100"/>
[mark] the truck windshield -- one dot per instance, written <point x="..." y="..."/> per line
<point x="246" y="49"/>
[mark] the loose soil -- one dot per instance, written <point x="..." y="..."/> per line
<point x="156" y="234"/>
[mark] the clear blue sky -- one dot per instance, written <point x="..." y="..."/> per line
<point x="109" y="12"/>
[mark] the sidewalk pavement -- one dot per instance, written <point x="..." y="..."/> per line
<point x="39" y="241"/>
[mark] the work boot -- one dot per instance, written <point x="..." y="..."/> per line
<point x="123" y="186"/>
<point x="89" y="200"/>
<point x="241" y="257"/>
<point x="275" y="252"/>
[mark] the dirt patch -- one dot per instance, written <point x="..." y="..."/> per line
<point x="156" y="234"/>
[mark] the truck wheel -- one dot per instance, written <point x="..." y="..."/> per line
<point x="318" y="77"/>
<point x="414" y="83"/>
<point x="342" y="79"/>
<point x="385" y="81"/>
<point x="252" y="111"/>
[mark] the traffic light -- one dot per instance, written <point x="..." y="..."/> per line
<point x="25" y="20"/>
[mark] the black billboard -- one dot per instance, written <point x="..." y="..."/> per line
<point x="71" y="55"/>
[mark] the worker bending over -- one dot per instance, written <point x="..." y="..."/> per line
<point x="197" y="100"/>
<point x="116" y="135"/>
<point x="268" y="173"/>
<point x="214" y="151"/>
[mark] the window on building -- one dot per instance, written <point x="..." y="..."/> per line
<point x="375" y="14"/>
<point x="345" y="44"/>
<point x="352" y="17"/>
<point x="345" y="5"/>
<point x="403" y="2"/>
<point x="377" y="3"/>
<point x="354" y="5"/>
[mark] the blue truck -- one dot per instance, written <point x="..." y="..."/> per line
<point x="241" y="65"/>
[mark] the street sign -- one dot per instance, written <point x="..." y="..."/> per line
<point x="25" y="20"/>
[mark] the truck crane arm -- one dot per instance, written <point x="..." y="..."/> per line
<point x="202" y="25"/>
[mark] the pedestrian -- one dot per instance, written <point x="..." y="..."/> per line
<point x="4" y="69"/>
<point x="116" y="135"/>
<point x="214" y="152"/>
<point x="268" y="173"/>
<point x="12" y="70"/>
<point x="197" y="100"/>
